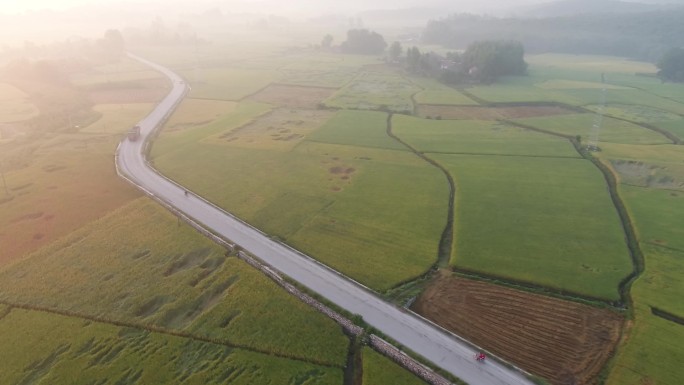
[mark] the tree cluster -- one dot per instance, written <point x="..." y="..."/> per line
<point x="671" y="66"/>
<point x="486" y="61"/>
<point x="363" y="41"/>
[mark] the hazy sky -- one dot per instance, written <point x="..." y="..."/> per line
<point x="282" y="6"/>
<point x="273" y="6"/>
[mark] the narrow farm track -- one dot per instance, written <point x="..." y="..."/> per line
<point x="444" y="349"/>
<point x="155" y="329"/>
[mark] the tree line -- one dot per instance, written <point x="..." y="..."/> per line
<point x="643" y="36"/>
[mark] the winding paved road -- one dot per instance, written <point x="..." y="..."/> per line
<point x="420" y="336"/>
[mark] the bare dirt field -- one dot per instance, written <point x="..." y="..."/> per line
<point x="145" y="91"/>
<point x="564" y="342"/>
<point x="489" y="113"/>
<point x="293" y="96"/>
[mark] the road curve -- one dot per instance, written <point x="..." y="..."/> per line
<point x="410" y="330"/>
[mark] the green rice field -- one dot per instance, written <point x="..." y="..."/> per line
<point x="57" y="349"/>
<point x="186" y="284"/>
<point x="478" y="137"/>
<point x="380" y="370"/>
<point x="525" y="219"/>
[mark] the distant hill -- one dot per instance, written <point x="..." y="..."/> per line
<point x="578" y="7"/>
<point x="638" y="35"/>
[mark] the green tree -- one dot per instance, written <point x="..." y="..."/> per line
<point x="395" y="51"/>
<point x="113" y="44"/>
<point x="486" y="61"/>
<point x="327" y="41"/>
<point x="413" y="57"/>
<point x="671" y="65"/>
<point x="363" y="41"/>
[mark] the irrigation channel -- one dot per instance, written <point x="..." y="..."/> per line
<point x="444" y="349"/>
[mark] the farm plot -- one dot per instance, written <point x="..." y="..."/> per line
<point x="15" y="104"/>
<point x="293" y="96"/>
<point x="548" y="221"/>
<point x="658" y="215"/>
<point x="138" y="91"/>
<point x="128" y="71"/>
<point x="194" y="113"/>
<point x="380" y="370"/>
<point x="56" y="349"/>
<point x="653" y="352"/>
<point x="186" y="126"/>
<point x="67" y="171"/>
<point x="636" y="113"/>
<point x="223" y="83"/>
<point x="626" y="97"/>
<point x="323" y="70"/>
<point x="117" y="118"/>
<point x="357" y="128"/>
<point x="478" y="137"/>
<point x="277" y="130"/>
<point x="489" y="113"/>
<point x="512" y="91"/>
<point x="165" y="275"/>
<point x="435" y="92"/>
<point x="560" y="84"/>
<point x="668" y="176"/>
<point x="376" y="91"/>
<point x="564" y="342"/>
<point x="674" y="126"/>
<point x="340" y="203"/>
<point x="612" y="130"/>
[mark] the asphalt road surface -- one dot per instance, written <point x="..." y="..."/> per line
<point x="420" y="336"/>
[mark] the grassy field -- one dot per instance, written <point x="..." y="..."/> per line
<point x="222" y="83"/>
<point x="517" y="90"/>
<point x="375" y="90"/>
<point x="117" y="118"/>
<point x="435" y="92"/>
<point x="547" y="221"/>
<point x="337" y="202"/>
<point x="636" y="113"/>
<point x="49" y="348"/>
<point x="612" y="130"/>
<point x="652" y="187"/>
<point x="380" y="370"/>
<point x="14" y="105"/>
<point x="658" y="214"/>
<point x="674" y="126"/>
<point x="125" y="71"/>
<point x="357" y="128"/>
<point x="47" y="180"/>
<point x="478" y="137"/>
<point x="125" y="267"/>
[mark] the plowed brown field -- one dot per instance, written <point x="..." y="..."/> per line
<point x="489" y="113"/>
<point x="564" y="342"/>
<point x="293" y="96"/>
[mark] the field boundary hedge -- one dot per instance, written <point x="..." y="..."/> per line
<point x="667" y="315"/>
